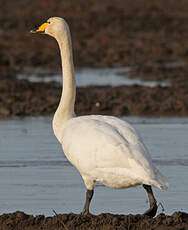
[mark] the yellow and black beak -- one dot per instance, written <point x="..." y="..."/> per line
<point x="40" y="29"/>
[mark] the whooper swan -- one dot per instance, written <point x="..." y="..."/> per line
<point x="102" y="148"/>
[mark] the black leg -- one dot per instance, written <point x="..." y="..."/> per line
<point x="89" y="195"/>
<point x="153" y="203"/>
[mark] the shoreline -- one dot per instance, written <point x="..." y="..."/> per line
<point x="20" y="220"/>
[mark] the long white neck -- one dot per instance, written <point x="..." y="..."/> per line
<point x="65" y="110"/>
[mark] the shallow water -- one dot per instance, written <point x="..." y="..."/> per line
<point x="35" y="176"/>
<point x="92" y="76"/>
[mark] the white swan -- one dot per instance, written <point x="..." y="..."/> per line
<point x="102" y="148"/>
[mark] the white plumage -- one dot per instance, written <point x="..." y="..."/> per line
<point x="102" y="148"/>
<point x="108" y="150"/>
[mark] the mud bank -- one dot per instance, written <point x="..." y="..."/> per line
<point x="175" y="73"/>
<point x="106" y="221"/>
<point x="23" y="98"/>
<point x="105" y="33"/>
<point x="141" y="33"/>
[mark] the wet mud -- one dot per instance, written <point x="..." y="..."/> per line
<point x="23" y="98"/>
<point x="175" y="73"/>
<point x="106" y="221"/>
<point x="141" y="33"/>
<point x="104" y="33"/>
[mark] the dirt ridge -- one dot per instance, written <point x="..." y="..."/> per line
<point x="105" y="221"/>
<point x="23" y="98"/>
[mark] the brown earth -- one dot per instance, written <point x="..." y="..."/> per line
<point x="176" y="76"/>
<point x="105" y="33"/>
<point x="22" y="98"/>
<point x="141" y="33"/>
<point x="106" y="221"/>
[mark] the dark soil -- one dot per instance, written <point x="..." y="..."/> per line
<point x="106" y="221"/>
<point x="21" y="98"/>
<point x="105" y="33"/>
<point x="176" y="76"/>
<point x="141" y="33"/>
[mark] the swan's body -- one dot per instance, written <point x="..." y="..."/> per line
<point x="102" y="148"/>
<point x="108" y="150"/>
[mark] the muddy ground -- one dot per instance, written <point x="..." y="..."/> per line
<point x="106" y="221"/>
<point x="105" y="33"/>
<point x="22" y="98"/>
<point x="141" y="33"/>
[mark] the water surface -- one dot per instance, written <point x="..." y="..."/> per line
<point x="35" y="176"/>
<point x="92" y="76"/>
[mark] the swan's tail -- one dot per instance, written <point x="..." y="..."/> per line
<point x="159" y="181"/>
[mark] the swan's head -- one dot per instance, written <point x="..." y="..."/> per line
<point x="51" y="27"/>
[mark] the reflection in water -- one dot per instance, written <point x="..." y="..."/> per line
<point x="36" y="177"/>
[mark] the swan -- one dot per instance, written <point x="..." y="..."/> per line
<point x="104" y="149"/>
